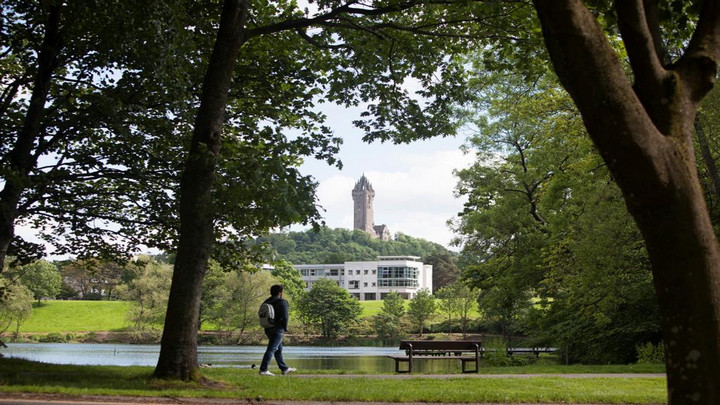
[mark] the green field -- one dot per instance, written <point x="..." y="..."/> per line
<point x="107" y="316"/>
<point x="77" y="316"/>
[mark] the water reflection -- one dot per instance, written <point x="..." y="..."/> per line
<point x="370" y="359"/>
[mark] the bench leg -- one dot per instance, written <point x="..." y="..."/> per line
<point x="477" y="365"/>
<point x="397" y="366"/>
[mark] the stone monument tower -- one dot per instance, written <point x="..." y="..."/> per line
<point x="363" y="214"/>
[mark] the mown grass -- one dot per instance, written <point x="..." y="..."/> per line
<point x="78" y="316"/>
<point x="24" y="376"/>
<point x="106" y="316"/>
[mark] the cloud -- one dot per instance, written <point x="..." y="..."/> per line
<point x="413" y="194"/>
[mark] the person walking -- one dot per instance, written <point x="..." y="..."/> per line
<point x="276" y="332"/>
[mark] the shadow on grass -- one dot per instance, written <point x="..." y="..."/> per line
<point x="20" y="372"/>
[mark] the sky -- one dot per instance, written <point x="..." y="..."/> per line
<point x="413" y="183"/>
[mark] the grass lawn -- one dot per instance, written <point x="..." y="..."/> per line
<point x="107" y="316"/>
<point x="24" y="376"/>
<point x="77" y="316"/>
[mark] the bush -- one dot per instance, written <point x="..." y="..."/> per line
<point x="92" y="297"/>
<point x="649" y="353"/>
<point x="496" y="355"/>
<point x="53" y="338"/>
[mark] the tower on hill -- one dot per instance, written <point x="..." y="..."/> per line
<point x="363" y="214"/>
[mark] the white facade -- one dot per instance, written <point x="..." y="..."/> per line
<point x="372" y="280"/>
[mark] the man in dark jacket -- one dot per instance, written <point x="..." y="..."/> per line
<point x="276" y="333"/>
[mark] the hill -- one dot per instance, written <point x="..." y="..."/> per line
<point x="340" y="245"/>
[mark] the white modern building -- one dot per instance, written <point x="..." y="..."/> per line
<point x="372" y="280"/>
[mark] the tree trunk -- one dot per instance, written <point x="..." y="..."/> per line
<point x="178" y="347"/>
<point x="644" y="133"/>
<point x="21" y="159"/>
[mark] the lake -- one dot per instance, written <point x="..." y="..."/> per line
<point x="371" y="359"/>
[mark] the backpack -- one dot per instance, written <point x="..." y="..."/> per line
<point x="267" y="315"/>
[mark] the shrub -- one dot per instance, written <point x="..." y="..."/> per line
<point x="649" y="353"/>
<point x="53" y="338"/>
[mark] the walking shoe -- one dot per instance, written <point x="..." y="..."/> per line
<point x="267" y="373"/>
<point x="289" y="370"/>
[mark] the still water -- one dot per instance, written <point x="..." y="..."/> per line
<point x="370" y="359"/>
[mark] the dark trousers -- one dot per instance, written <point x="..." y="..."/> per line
<point x="274" y="348"/>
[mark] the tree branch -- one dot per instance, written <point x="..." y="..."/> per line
<point x="698" y="66"/>
<point x="641" y="46"/>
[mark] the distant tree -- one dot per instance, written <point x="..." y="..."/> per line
<point x="445" y="270"/>
<point x="388" y="323"/>
<point x="40" y="277"/>
<point x="421" y="308"/>
<point x="291" y="280"/>
<point x="149" y="294"/>
<point x="329" y="307"/>
<point x="15" y="306"/>
<point x="93" y="275"/>
<point x="449" y="302"/>
<point x="468" y="300"/>
<point x="326" y="245"/>
<point x="394" y="305"/>
<point x="238" y="298"/>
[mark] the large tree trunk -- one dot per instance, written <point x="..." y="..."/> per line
<point x="21" y="160"/>
<point x="644" y="133"/>
<point x="178" y="350"/>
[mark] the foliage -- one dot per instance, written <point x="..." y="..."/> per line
<point x="93" y="275"/>
<point x="388" y="323"/>
<point x="329" y="307"/>
<point x="393" y="305"/>
<point x="326" y="245"/>
<point x="148" y="291"/>
<point x="15" y="306"/>
<point x="458" y="299"/>
<point x="445" y="269"/>
<point x="237" y="298"/>
<point x="530" y="229"/>
<point x="421" y="308"/>
<point x="40" y="277"/>
<point x="649" y="353"/>
<point x="290" y="278"/>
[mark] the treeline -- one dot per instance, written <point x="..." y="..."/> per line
<point x="326" y="245"/>
<point x="339" y="245"/>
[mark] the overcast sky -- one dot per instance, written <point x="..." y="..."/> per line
<point x="413" y="183"/>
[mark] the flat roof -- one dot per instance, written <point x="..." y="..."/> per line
<point x="414" y="258"/>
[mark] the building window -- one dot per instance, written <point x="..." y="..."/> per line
<point x="364" y="284"/>
<point x="353" y="285"/>
<point x="365" y="271"/>
<point x="333" y="272"/>
<point x="357" y="272"/>
<point x="374" y="284"/>
<point x="374" y="272"/>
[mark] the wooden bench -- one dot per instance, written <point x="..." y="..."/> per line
<point x="467" y="351"/>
